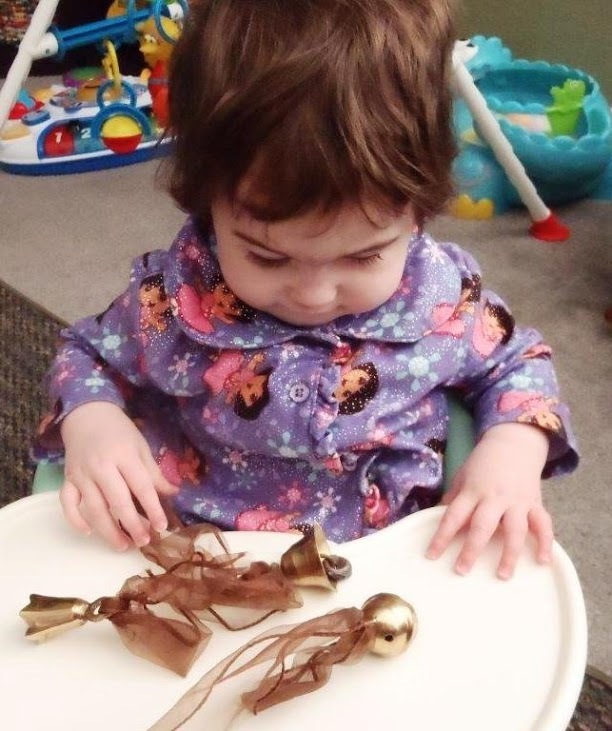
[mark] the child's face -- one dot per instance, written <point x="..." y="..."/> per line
<point x="253" y="389"/>
<point x="314" y="268"/>
<point x="492" y="325"/>
<point x="226" y="300"/>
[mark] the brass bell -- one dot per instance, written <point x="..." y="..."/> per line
<point x="47" y="616"/>
<point x="394" y="621"/>
<point x="310" y="562"/>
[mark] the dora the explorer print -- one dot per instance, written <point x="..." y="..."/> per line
<point x="265" y="425"/>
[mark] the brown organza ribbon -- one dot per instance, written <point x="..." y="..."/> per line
<point x="342" y="636"/>
<point x="193" y="581"/>
<point x="165" y="641"/>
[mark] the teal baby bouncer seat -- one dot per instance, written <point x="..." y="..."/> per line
<point x="49" y="477"/>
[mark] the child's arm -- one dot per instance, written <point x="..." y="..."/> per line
<point x="522" y="434"/>
<point x="109" y="468"/>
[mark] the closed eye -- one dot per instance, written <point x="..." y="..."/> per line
<point x="266" y="262"/>
<point x="272" y="263"/>
<point x="365" y="260"/>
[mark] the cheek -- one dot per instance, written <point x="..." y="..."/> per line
<point x="250" y="284"/>
<point x="373" y="288"/>
<point x="492" y="328"/>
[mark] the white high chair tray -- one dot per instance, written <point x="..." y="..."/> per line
<point x="488" y="654"/>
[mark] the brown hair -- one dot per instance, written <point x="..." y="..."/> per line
<point x="503" y="318"/>
<point x="320" y="102"/>
<point x="357" y="401"/>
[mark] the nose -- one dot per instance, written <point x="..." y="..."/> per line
<point x="314" y="290"/>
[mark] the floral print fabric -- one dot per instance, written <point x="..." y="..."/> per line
<point x="266" y="426"/>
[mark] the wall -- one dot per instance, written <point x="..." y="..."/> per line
<point x="575" y="32"/>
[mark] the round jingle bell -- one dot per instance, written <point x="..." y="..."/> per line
<point x="394" y="621"/>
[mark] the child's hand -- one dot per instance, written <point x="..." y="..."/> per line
<point x="498" y="485"/>
<point x="108" y="466"/>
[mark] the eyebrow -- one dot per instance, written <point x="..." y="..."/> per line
<point x="372" y="248"/>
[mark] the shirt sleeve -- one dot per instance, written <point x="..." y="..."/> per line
<point x="506" y="372"/>
<point x="100" y="358"/>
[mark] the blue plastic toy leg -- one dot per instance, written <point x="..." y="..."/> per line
<point x="48" y="477"/>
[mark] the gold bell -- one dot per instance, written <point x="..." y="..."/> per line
<point x="310" y="562"/>
<point x="394" y="621"/>
<point x="47" y="616"/>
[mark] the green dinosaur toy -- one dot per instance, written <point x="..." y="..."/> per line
<point x="565" y="111"/>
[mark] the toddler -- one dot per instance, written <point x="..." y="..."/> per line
<point x="288" y="359"/>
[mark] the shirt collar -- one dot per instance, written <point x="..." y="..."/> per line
<point x="209" y="314"/>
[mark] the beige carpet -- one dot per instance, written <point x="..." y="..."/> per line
<point x="67" y="242"/>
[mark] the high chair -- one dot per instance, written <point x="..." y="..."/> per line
<point x="487" y="654"/>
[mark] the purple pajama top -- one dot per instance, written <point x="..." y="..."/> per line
<point x="266" y="426"/>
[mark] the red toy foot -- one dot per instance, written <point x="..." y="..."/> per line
<point x="550" y="229"/>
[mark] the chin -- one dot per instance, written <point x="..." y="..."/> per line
<point x="306" y="319"/>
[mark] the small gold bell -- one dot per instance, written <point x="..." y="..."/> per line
<point x="395" y="623"/>
<point x="310" y="562"/>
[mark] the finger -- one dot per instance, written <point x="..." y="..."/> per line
<point x="142" y="486"/>
<point x="540" y="524"/>
<point x="483" y="525"/>
<point x="453" y="520"/>
<point x="514" y="526"/>
<point x="119" y="493"/>
<point x="70" y="500"/>
<point x="161" y="483"/>
<point x="97" y="511"/>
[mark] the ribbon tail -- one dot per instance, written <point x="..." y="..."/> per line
<point x="169" y="643"/>
<point x="179" y="545"/>
<point x="191" y="702"/>
<point x="287" y="684"/>
<point x="312" y="668"/>
<point x="317" y="634"/>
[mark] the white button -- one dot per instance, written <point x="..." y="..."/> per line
<point x="299" y="392"/>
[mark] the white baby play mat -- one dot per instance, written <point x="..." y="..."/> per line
<point x="488" y="654"/>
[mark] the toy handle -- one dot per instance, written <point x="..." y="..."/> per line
<point x="110" y="63"/>
<point x="30" y="48"/>
<point x="176" y="11"/>
<point x="491" y="131"/>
